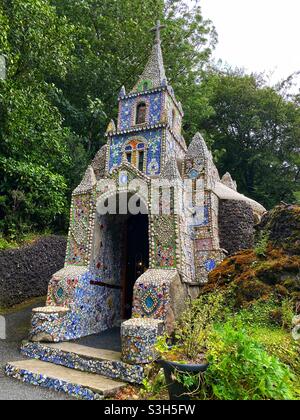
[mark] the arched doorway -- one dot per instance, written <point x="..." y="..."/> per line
<point x="136" y="258"/>
<point x="121" y="252"/>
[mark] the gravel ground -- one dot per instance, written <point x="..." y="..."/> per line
<point x="11" y="389"/>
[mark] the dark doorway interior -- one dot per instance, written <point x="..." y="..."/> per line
<point x="136" y="258"/>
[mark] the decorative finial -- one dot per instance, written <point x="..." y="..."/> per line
<point x="122" y="92"/>
<point x="157" y="30"/>
<point x="111" y="127"/>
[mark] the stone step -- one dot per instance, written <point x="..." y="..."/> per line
<point x="86" y="359"/>
<point x="77" y="384"/>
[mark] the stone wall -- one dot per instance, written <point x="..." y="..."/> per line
<point x="236" y="226"/>
<point x="26" y="272"/>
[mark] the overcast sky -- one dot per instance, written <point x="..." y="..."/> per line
<point x="260" y="35"/>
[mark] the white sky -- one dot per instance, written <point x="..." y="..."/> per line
<point x="259" y="35"/>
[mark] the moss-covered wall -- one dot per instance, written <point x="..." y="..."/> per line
<point x="271" y="269"/>
<point x="26" y="272"/>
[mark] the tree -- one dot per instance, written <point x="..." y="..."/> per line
<point x="34" y="155"/>
<point x="257" y="131"/>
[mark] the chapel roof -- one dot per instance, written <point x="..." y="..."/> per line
<point x="154" y="71"/>
<point x="226" y="193"/>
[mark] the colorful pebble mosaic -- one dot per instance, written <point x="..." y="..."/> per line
<point x="139" y="337"/>
<point x="115" y="369"/>
<point x="57" y="385"/>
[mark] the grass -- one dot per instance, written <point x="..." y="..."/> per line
<point x="280" y="343"/>
<point x="28" y="239"/>
<point x="24" y="305"/>
<point x="14" y="244"/>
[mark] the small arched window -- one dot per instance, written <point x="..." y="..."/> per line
<point x="136" y="154"/>
<point x="128" y="151"/>
<point x="141" y="112"/>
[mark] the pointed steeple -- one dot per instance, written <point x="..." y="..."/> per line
<point x="111" y="127"/>
<point x="198" y="148"/>
<point x="122" y="92"/>
<point x="229" y="182"/>
<point x="88" y="182"/>
<point x="154" y="75"/>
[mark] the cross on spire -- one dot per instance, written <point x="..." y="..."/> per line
<point x="157" y="30"/>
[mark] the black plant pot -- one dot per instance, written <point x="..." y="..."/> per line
<point x="177" y="391"/>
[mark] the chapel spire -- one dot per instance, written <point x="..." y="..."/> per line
<point x="154" y="75"/>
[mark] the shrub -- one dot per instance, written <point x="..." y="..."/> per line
<point x="240" y="368"/>
<point x="189" y="340"/>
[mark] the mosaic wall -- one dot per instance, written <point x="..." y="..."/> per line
<point x="108" y="248"/>
<point x="151" y="298"/>
<point x="62" y="287"/>
<point x="94" y="309"/>
<point x="161" y="295"/>
<point x="153" y="143"/>
<point x="127" y="110"/>
<point x="82" y="209"/>
<point x="203" y="221"/>
<point x="174" y="117"/>
<point x="164" y="238"/>
<point x="138" y="340"/>
<point x="175" y="147"/>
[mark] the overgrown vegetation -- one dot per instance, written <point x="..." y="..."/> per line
<point x="252" y="356"/>
<point x="272" y="268"/>
<point x="242" y="369"/>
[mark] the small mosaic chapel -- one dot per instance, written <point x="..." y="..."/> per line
<point x="137" y="271"/>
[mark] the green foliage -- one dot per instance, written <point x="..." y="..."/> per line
<point x="262" y="245"/>
<point x="258" y="314"/>
<point x="251" y="356"/>
<point x="32" y="193"/>
<point x="259" y="129"/>
<point x="193" y="383"/>
<point x="279" y="343"/>
<point x="240" y="368"/>
<point x="5" y="244"/>
<point x="189" y="341"/>
<point x="154" y="385"/>
<point x="288" y="313"/>
<point x="39" y="41"/>
<point x="25" y="240"/>
<point x="269" y="314"/>
<point x="195" y="323"/>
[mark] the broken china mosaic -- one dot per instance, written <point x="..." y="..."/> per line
<point x="153" y="146"/>
<point x="128" y="106"/>
<point x="92" y="308"/>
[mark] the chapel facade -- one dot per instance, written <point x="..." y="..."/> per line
<point x="143" y="267"/>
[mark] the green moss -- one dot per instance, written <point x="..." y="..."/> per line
<point x="283" y="227"/>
